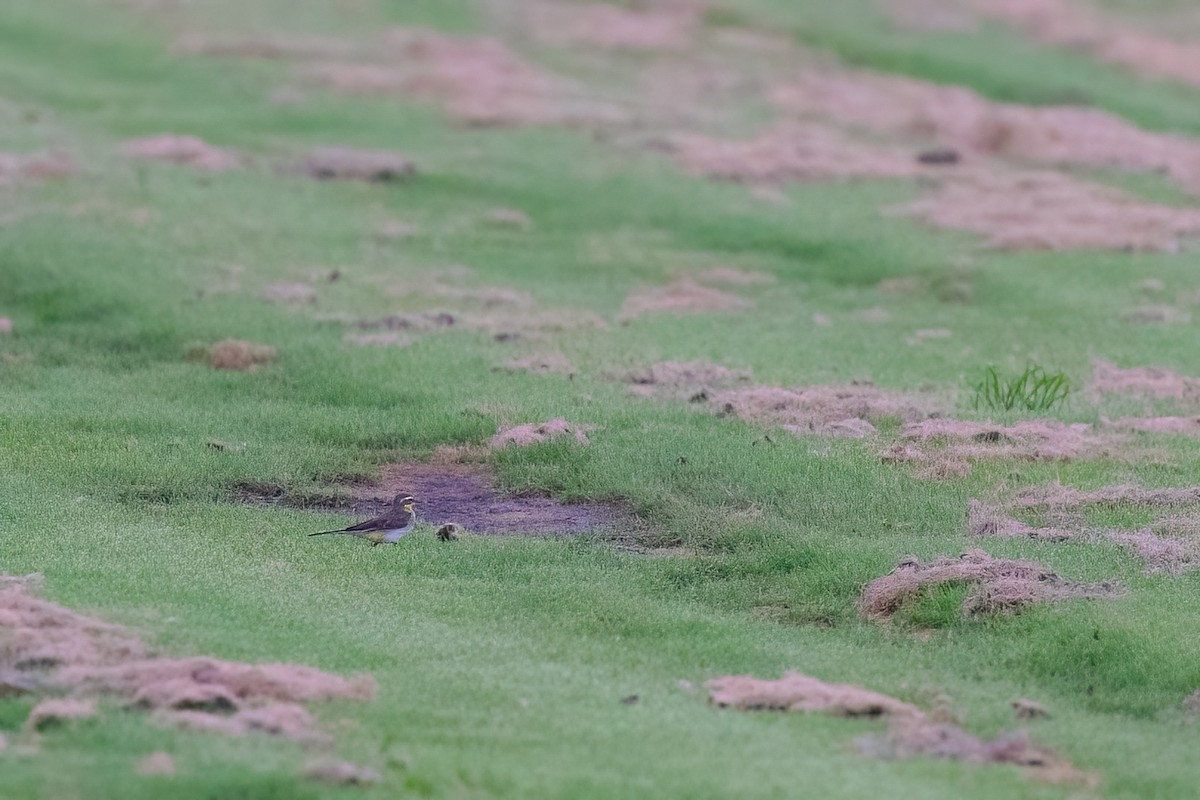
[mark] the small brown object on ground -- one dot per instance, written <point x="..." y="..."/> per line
<point x="348" y="164"/>
<point x="341" y="773"/>
<point x="158" y="763"/>
<point x="999" y="585"/>
<point x="630" y="700"/>
<point x="1029" y="709"/>
<point x="49" y="713"/>
<point x="187" y="150"/>
<point x="239" y="355"/>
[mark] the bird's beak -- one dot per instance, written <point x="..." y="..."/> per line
<point x="408" y="507"/>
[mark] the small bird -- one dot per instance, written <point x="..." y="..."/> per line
<point x="388" y="527"/>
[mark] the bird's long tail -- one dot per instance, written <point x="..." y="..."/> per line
<point x="323" y="533"/>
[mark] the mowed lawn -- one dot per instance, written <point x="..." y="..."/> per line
<point x="502" y="661"/>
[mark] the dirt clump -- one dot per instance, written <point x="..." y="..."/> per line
<point x="691" y="380"/>
<point x="985" y="520"/>
<point x="912" y="732"/>
<point x="1106" y="37"/>
<point x="790" y="152"/>
<point x="239" y="355"/>
<point x="1159" y="555"/>
<point x="1052" y="211"/>
<point x="819" y="410"/>
<point x="999" y="585"/>
<point x="89" y="659"/>
<point x="186" y="150"/>
<point x="157" y="763"/>
<point x="467" y="496"/>
<point x="476" y="81"/>
<point x="1157" y="383"/>
<point x="796" y="692"/>
<point x="341" y="773"/>
<point x="614" y="27"/>
<point x="681" y="296"/>
<point x="1058" y="496"/>
<point x="50" y="713"/>
<point x="532" y="433"/>
<point x="349" y="164"/>
<point x="1032" y="440"/>
<point x="966" y="123"/>
<point x="35" y="166"/>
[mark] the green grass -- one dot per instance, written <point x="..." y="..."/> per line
<point x="502" y="661"/>
<point x="1034" y="389"/>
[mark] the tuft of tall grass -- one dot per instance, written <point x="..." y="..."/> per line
<point x="1035" y="389"/>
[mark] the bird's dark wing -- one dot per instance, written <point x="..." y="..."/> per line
<point x="375" y="524"/>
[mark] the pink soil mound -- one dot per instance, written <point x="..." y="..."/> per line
<point x="1159" y="555"/>
<point x="1157" y="383"/>
<point x="187" y="150"/>
<point x="1034" y="440"/>
<point x="238" y="355"/>
<point x="475" y="80"/>
<point x="1052" y="211"/>
<point x="984" y="520"/>
<point x="999" y="584"/>
<point x="694" y="380"/>
<point x="35" y="166"/>
<point x="819" y="410"/>
<point x="1058" y="496"/>
<point x="682" y="296"/>
<point x="961" y="119"/>
<point x="796" y="692"/>
<point x="537" y="433"/>
<point x="791" y="152"/>
<point x="89" y="658"/>
<point x="53" y="712"/>
<point x="1107" y="37"/>
<point x="610" y="26"/>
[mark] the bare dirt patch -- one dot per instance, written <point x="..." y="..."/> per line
<point x="796" y="692"/>
<point x="466" y="494"/>
<point x="1056" y="496"/>
<point x="985" y="520"/>
<point x="912" y="732"/>
<point x="968" y="124"/>
<point x="349" y="164"/>
<point x="681" y="296"/>
<point x="691" y="380"/>
<point x="821" y="410"/>
<point x="1157" y="383"/>
<point x="187" y="150"/>
<point x="62" y="650"/>
<point x="1052" y="211"/>
<point x="53" y="712"/>
<point x="532" y="433"/>
<point x="791" y="152"/>
<point x="1032" y="440"/>
<point x="475" y="80"/>
<point x="1105" y="36"/>
<point x="607" y="26"/>
<point x="1159" y="555"/>
<point x="35" y="166"/>
<point x="238" y="355"/>
<point x="999" y="585"/>
<point x="157" y="763"/>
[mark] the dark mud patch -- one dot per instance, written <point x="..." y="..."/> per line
<point x="467" y="494"/>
